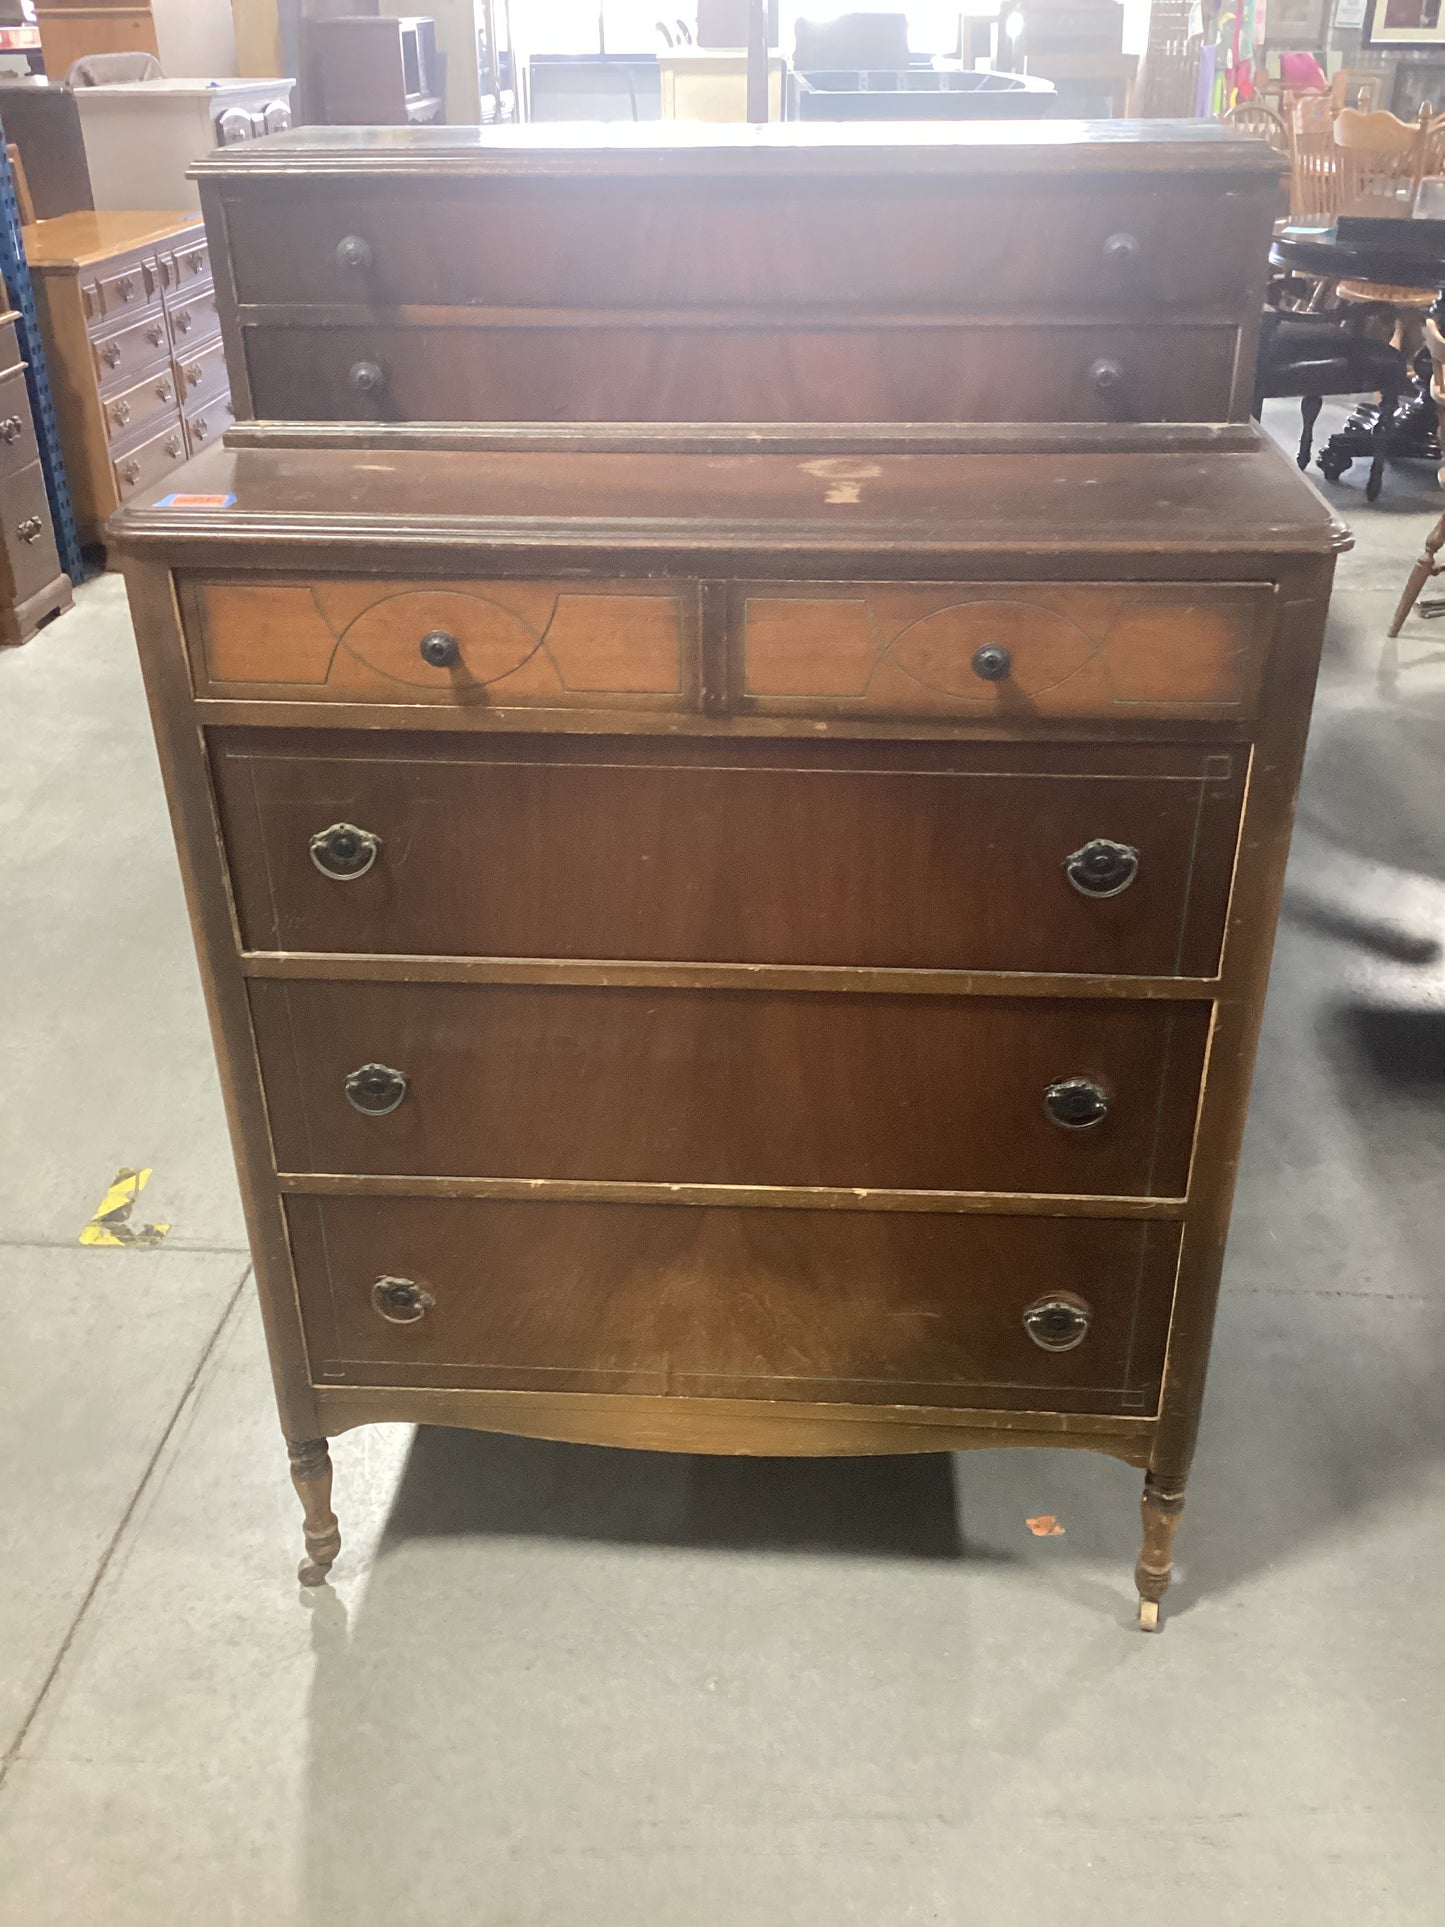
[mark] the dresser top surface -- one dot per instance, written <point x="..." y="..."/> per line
<point x="89" y="235"/>
<point x="1047" y="148"/>
<point x="777" y="504"/>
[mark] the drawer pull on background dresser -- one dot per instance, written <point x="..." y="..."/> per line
<point x="30" y="529"/>
<point x="1056" y="1324"/>
<point x="992" y="662"/>
<point x="172" y="446"/>
<point x="130" y="473"/>
<point x="440" y="649"/>
<point x="344" y="852"/>
<point x="10" y="428"/>
<point x="110" y="354"/>
<point x="155" y="336"/>
<point x="1077" y="1103"/>
<point x="184" y="321"/>
<point x="365" y="378"/>
<point x="120" y="413"/>
<point x="1122" y="249"/>
<point x="375" y="1090"/>
<point x="401" y="1302"/>
<point x="1105" y="374"/>
<point x="354" y="253"/>
<point x="1102" y="868"/>
<point x="125" y="287"/>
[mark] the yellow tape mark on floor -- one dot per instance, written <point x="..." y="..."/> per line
<point x="111" y="1224"/>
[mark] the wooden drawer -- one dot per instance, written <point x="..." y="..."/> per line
<point x="544" y="644"/>
<point x="897" y="1308"/>
<point x="1007" y="650"/>
<point x="123" y="357"/>
<point x="642" y="369"/>
<point x="1057" y="245"/>
<point x="152" y="399"/>
<point x="187" y="269"/>
<point x="145" y="464"/>
<point x="194" y="320"/>
<point x="202" y="376"/>
<point x="924" y="856"/>
<point x="746" y="1087"/>
<point x="126" y="290"/>
<point x="18" y="447"/>
<point x="208" y="423"/>
<point x="28" y="533"/>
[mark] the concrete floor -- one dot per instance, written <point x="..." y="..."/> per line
<point x="553" y="1685"/>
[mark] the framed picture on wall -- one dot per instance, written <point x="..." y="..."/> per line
<point x="1295" y="23"/>
<point x="1405" y="23"/>
<point x="1418" y="83"/>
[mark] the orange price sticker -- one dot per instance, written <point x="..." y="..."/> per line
<point x="1045" y="1526"/>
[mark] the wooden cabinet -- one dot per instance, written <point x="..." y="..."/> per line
<point x="132" y="336"/>
<point x="750" y="937"/>
<point x="33" y="587"/>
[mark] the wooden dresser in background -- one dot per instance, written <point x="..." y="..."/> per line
<point x="33" y="586"/>
<point x="743" y="933"/>
<point x="133" y="340"/>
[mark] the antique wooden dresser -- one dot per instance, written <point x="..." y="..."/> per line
<point x="745" y="933"/>
<point x="133" y="341"/>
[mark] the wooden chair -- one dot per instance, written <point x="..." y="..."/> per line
<point x="1253" y="117"/>
<point x="1429" y="563"/>
<point x="1314" y="179"/>
<point x="1383" y="158"/>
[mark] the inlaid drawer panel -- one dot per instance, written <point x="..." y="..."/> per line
<point x="151" y="399"/>
<point x="1102" y="245"/>
<point x="553" y="644"/>
<point x="640" y="369"/>
<point x="1016" y="650"/>
<point x="900" y="1307"/>
<point x="927" y="856"/>
<point x="121" y="358"/>
<point x="730" y="1087"/>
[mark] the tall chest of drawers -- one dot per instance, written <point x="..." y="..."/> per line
<point x="128" y="306"/>
<point x="721" y="938"/>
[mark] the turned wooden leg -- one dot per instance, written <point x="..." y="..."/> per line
<point x="1420" y="575"/>
<point x="1162" y="1507"/>
<point x="311" y="1476"/>
<point x="1309" y="412"/>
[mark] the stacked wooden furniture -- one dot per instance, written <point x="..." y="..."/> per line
<point x="33" y="586"/>
<point x="128" y="308"/>
<point x="376" y="72"/>
<point x="739" y="938"/>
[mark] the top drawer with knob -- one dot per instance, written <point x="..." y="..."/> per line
<point x="1001" y="651"/>
<point x="1072" y="245"/>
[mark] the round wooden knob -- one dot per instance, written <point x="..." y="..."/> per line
<point x="992" y="662"/>
<point x="366" y="378"/>
<point x="1122" y="249"/>
<point x="354" y="253"/>
<point x="1076" y="1103"/>
<point x="440" y="649"/>
<point x="1105" y="374"/>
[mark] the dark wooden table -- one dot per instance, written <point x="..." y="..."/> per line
<point x="1379" y="242"/>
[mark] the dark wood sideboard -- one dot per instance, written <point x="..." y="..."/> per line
<point x="736" y="910"/>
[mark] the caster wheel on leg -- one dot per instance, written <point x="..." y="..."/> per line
<point x="1149" y="1615"/>
<point x="1332" y="467"/>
